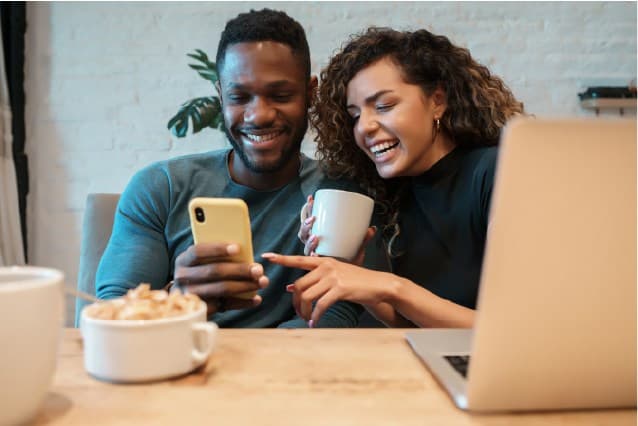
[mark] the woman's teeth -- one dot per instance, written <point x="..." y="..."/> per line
<point x="381" y="148"/>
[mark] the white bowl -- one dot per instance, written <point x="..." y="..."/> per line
<point x="145" y="350"/>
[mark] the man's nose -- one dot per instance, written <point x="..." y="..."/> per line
<point x="259" y="112"/>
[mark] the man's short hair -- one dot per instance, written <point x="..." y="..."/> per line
<point x="265" y="25"/>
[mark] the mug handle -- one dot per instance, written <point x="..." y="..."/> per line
<point x="207" y="330"/>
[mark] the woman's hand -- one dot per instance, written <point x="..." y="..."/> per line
<point x="311" y="241"/>
<point x="329" y="281"/>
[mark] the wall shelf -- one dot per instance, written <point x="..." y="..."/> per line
<point x="604" y="103"/>
<point x="597" y="104"/>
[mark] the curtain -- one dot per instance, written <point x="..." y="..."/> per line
<point x="11" y="244"/>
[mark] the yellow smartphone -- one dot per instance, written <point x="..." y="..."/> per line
<point x="223" y="220"/>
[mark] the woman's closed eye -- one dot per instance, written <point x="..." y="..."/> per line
<point x="384" y="107"/>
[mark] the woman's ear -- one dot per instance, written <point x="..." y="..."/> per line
<point x="439" y="100"/>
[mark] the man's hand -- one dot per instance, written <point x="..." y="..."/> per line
<point x="204" y="270"/>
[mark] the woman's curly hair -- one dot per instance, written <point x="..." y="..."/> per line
<point x="478" y="104"/>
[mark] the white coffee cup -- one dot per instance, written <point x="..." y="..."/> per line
<point x="341" y="221"/>
<point x="31" y="320"/>
<point x="145" y="350"/>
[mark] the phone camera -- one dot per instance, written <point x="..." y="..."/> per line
<point x="199" y="214"/>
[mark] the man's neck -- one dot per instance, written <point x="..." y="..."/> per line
<point x="263" y="181"/>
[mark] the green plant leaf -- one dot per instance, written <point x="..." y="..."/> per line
<point x="200" y="112"/>
<point x="207" y="69"/>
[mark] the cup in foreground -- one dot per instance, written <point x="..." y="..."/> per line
<point x="31" y="320"/>
<point x="342" y="219"/>
<point x="129" y="351"/>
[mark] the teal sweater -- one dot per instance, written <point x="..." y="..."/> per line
<point x="152" y="228"/>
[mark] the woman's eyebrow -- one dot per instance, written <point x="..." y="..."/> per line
<point x="372" y="98"/>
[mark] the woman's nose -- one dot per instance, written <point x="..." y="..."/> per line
<point x="259" y="112"/>
<point x="366" y="125"/>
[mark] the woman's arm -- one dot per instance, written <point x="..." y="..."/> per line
<point x="390" y="298"/>
<point x="425" y="309"/>
<point x="389" y="316"/>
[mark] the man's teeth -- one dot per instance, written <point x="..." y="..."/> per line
<point x="383" y="147"/>
<point x="261" y="138"/>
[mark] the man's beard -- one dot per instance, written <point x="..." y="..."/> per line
<point x="288" y="153"/>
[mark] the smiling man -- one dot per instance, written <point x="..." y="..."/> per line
<point x="266" y="89"/>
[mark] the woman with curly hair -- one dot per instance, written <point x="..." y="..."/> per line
<point x="415" y="120"/>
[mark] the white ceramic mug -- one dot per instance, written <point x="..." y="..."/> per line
<point x="341" y="221"/>
<point x="31" y="321"/>
<point x="144" y="350"/>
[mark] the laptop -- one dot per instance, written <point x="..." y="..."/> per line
<point x="556" y="312"/>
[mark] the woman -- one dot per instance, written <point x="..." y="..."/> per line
<point x="416" y="120"/>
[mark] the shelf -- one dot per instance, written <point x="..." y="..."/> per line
<point x="604" y="103"/>
<point x="620" y="104"/>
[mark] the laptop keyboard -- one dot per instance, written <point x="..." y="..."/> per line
<point x="459" y="362"/>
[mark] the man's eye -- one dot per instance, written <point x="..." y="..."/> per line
<point x="282" y="97"/>
<point x="237" y="98"/>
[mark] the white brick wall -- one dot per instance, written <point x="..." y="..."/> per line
<point x="102" y="80"/>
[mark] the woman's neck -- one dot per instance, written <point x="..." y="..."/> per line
<point x="441" y="147"/>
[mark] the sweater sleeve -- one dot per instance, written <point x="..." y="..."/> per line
<point x="340" y="315"/>
<point x="137" y="250"/>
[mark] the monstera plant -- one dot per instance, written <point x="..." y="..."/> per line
<point x="201" y="112"/>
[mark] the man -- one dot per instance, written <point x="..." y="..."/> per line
<point x="266" y="89"/>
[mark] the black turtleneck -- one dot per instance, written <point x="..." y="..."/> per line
<point x="443" y="219"/>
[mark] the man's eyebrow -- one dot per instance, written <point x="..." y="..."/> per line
<point x="279" y="84"/>
<point x="372" y="98"/>
<point x="235" y="86"/>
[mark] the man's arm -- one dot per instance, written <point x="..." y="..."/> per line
<point x="340" y="315"/>
<point x="137" y="251"/>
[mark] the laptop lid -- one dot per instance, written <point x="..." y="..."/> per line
<point x="556" y="323"/>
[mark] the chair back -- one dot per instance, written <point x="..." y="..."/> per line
<point x="96" y="232"/>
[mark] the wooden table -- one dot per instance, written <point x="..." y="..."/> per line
<point x="284" y="377"/>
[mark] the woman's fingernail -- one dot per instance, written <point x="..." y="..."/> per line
<point x="308" y="220"/>
<point x="311" y="324"/>
<point x="268" y="255"/>
<point x="232" y="249"/>
<point x="290" y="288"/>
<point x="312" y="238"/>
